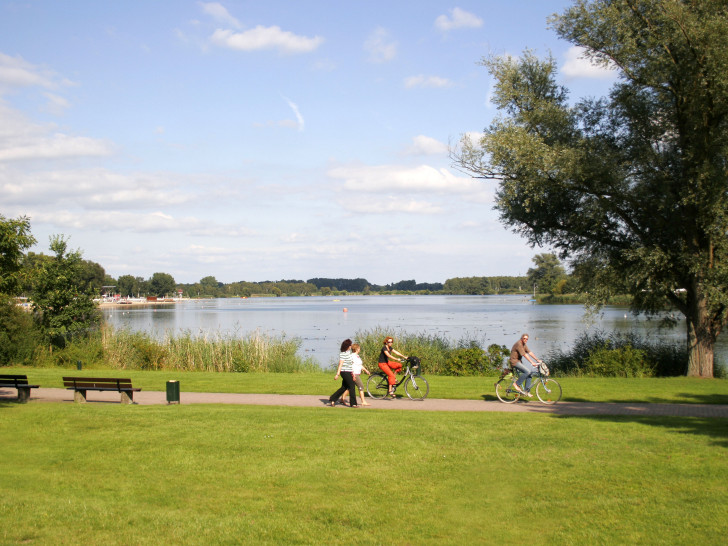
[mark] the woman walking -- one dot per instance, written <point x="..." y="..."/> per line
<point x="347" y="378"/>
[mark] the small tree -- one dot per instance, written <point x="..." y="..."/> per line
<point x="548" y="274"/>
<point x="64" y="306"/>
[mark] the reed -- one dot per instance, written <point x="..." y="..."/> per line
<point x="126" y="350"/>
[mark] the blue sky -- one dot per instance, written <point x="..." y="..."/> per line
<point x="263" y="140"/>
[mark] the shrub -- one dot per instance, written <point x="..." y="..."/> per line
<point x="621" y="355"/>
<point x="18" y="334"/>
<point x="623" y="361"/>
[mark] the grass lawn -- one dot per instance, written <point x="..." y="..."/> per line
<point x="684" y="390"/>
<point x="115" y="474"/>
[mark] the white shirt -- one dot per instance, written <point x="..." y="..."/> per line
<point x="356" y="364"/>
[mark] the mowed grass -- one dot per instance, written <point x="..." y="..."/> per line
<point x="115" y="474"/>
<point x="683" y="390"/>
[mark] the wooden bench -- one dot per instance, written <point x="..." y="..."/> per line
<point x="19" y="382"/>
<point x="82" y="384"/>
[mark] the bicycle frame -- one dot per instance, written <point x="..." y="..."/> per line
<point x="547" y="389"/>
<point x="378" y="384"/>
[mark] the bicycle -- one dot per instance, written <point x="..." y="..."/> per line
<point x="548" y="390"/>
<point x="415" y="385"/>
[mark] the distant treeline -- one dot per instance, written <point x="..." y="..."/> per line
<point x="209" y="287"/>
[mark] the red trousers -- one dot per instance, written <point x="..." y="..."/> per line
<point x="389" y="368"/>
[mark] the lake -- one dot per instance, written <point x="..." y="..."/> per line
<point x="322" y="323"/>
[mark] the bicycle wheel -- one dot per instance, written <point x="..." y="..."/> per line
<point x="416" y="387"/>
<point x="548" y="391"/>
<point x="506" y="392"/>
<point x="377" y="386"/>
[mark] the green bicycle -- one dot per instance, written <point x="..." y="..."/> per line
<point x="548" y="390"/>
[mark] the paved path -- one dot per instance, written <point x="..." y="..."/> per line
<point x="431" y="404"/>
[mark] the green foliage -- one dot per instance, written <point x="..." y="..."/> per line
<point x="619" y="355"/>
<point x="15" y="237"/>
<point x="64" y="308"/>
<point x="617" y="362"/>
<point x="18" y="334"/>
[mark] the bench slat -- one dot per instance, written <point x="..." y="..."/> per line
<point x="15" y="381"/>
<point x="99" y="383"/>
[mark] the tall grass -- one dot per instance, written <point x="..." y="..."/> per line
<point x="126" y="350"/>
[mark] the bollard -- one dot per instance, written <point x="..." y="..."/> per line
<point x="173" y="392"/>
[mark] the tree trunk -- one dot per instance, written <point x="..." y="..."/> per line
<point x="701" y="338"/>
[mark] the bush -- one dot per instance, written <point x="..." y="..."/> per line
<point x="618" y="362"/>
<point x="439" y="356"/>
<point x="620" y="355"/>
<point x="18" y="335"/>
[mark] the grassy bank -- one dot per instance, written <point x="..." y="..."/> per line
<point x="683" y="390"/>
<point x="112" y="474"/>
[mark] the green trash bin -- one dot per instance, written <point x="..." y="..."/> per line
<point x="173" y="392"/>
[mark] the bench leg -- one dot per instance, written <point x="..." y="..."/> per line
<point x="23" y="394"/>
<point x="79" y="397"/>
<point x="127" y="397"/>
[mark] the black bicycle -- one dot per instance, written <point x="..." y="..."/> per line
<point x="415" y="385"/>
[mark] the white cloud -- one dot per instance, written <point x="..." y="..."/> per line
<point x="299" y="118"/>
<point x="393" y="179"/>
<point x="373" y="204"/>
<point x="458" y="18"/>
<point x="262" y="38"/>
<point x="56" y="146"/>
<point x="380" y="46"/>
<point x="577" y="65"/>
<point x="134" y="222"/>
<point x="219" y="13"/>
<point x="427" y="81"/>
<point x="17" y="72"/>
<point x="56" y="104"/>
<point x="424" y="145"/>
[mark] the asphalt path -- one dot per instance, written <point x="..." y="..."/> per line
<point x="431" y="404"/>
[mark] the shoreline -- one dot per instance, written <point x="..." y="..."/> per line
<point x="116" y="304"/>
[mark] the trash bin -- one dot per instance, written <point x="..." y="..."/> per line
<point x="173" y="392"/>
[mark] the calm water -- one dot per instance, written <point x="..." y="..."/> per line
<point x="321" y="322"/>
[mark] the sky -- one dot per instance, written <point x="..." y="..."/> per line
<point x="254" y="141"/>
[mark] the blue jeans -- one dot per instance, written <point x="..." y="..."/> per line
<point x="526" y="370"/>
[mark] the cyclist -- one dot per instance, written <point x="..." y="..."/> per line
<point x="520" y="350"/>
<point x="389" y="364"/>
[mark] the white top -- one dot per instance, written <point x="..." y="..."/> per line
<point x="356" y="364"/>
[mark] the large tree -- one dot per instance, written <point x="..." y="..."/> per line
<point x="632" y="188"/>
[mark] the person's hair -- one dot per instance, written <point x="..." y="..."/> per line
<point x="355" y="347"/>
<point x="345" y="346"/>
<point x="386" y="339"/>
<point x="524" y="335"/>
